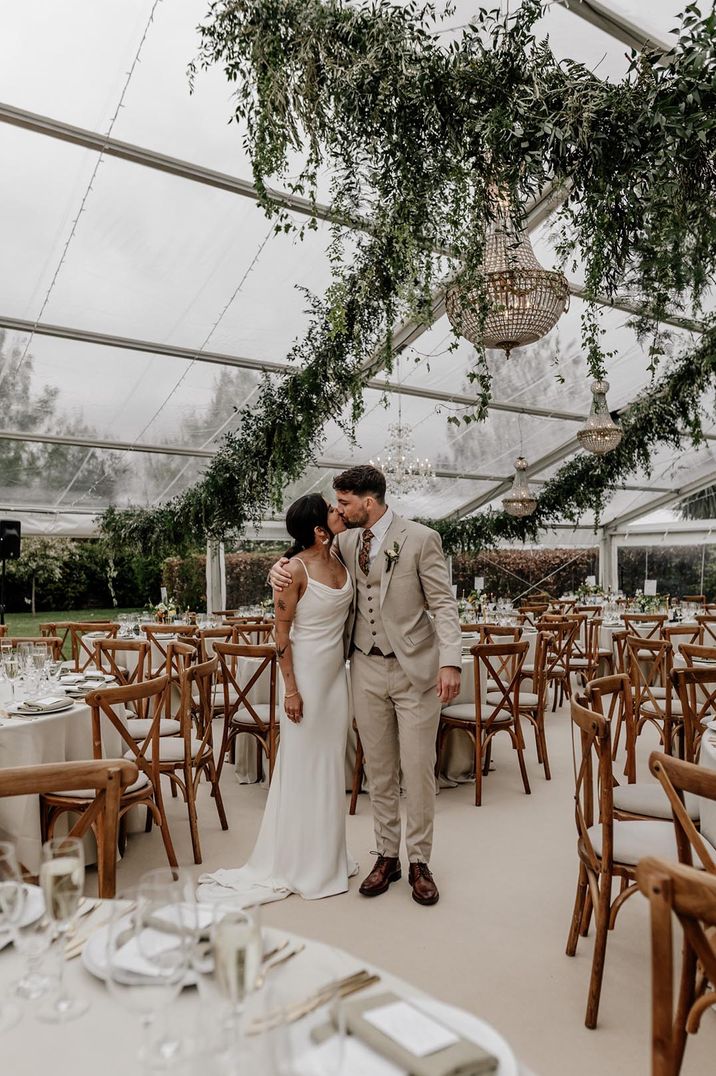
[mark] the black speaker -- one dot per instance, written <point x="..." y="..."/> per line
<point x="9" y="539"/>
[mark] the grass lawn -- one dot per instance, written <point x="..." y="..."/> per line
<point x="27" y="624"/>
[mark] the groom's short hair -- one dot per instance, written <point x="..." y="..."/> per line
<point x="364" y="480"/>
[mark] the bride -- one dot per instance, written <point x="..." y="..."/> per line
<point x="301" y="846"/>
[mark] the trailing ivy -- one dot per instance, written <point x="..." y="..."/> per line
<point x="668" y="413"/>
<point x="419" y="139"/>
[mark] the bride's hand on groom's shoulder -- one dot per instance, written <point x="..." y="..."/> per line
<point x="278" y="577"/>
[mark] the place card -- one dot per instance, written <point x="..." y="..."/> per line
<point x="410" y="1028"/>
<point x="479" y="582"/>
<point x="650" y="588"/>
<point x="591" y="581"/>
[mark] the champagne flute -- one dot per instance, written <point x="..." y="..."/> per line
<point x="12" y="900"/>
<point x="11" y="669"/>
<point x="237" y="950"/>
<point x="62" y="880"/>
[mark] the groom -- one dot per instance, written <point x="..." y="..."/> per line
<point x="405" y="665"/>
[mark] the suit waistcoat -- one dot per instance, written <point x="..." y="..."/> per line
<point x="369" y="630"/>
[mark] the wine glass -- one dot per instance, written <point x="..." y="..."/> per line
<point x="148" y="951"/>
<point x="12" y="900"/>
<point x="62" y="879"/>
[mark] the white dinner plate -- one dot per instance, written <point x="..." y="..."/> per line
<point x="94" y="954"/>
<point x="58" y="708"/>
<point x="34" y="909"/>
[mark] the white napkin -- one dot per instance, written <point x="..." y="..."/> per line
<point x="49" y="702"/>
<point x="131" y="958"/>
<point x="71" y="678"/>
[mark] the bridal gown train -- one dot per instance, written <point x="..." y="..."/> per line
<point x="301" y="846"/>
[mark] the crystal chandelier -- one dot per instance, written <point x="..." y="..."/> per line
<point x="404" y="470"/>
<point x="600" y="433"/>
<point x="520" y="502"/>
<point x="524" y="301"/>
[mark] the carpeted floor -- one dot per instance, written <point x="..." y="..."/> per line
<point x="494" y="944"/>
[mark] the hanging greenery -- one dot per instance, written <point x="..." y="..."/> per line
<point x="420" y="139"/>
<point x="668" y="413"/>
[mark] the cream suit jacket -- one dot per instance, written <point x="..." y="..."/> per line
<point x="418" y="579"/>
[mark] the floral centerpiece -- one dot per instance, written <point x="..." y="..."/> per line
<point x="165" y="610"/>
<point x="586" y="590"/>
<point x="649" y="603"/>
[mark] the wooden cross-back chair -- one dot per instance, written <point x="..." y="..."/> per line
<point x="621" y="658"/>
<point x="105" y="782"/>
<point x="695" y="599"/>
<point x="532" y="704"/>
<point x="562" y="633"/>
<point x="209" y="636"/>
<point x="470" y="629"/>
<point x="681" y="780"/>
<point x="646" y="625"/>
<point x="185" y="759"/>
<point x="680" y="635"/>
<point x="586" y="655"/>
<point x="498" y="711"/>
<point x="3" y="630"/>
<point x="610" y="696"/>
<point x="82" y="648"/>
<point x="707" y="623"/>
<point x="696" y="689"/>
<point x="650" y="662"/>
<point x="159" y="636"/>
<point x="109" y="654"/>
<point x="256" y="634"/>
<point x="61" y="630"/>
<point x="54" y="642"/>
<point x="497" y="633"/>
<point x="693" y="654"/>
<point x="532" y="612"/>
<point x="588" y="610"/>
<point x="690" y="895"/>
<point x="565" y="605"/>
<point x="241" y="715"/>
<point x="108" y="706"/>
<point x="607" y="848"/>
<point x="227" y="612"/>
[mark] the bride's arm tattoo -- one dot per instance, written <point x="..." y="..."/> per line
<point x="285" y="604"/>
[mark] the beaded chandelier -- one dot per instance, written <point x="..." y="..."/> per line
<point x="405" y="472"/>
<point x="519" y="501"/>
<point x="524" y="300"/>
<point x="600" y="433"/>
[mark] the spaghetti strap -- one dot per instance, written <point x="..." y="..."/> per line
<point x="304" y="566"/>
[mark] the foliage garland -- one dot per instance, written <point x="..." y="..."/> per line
<point x="418" y="137"/>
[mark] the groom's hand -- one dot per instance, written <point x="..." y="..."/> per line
<point x="279" y="578"/>
<point x="448" y="684"/>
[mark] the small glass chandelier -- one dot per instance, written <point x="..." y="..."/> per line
<point x="524" y="301"/>
<point x="520" y="502"/>
<point x="404" y="470"/>
<point x="600" y="433"/>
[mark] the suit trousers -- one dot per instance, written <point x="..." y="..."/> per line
<point x="398" y="725"/>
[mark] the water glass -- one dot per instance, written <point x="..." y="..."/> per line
<point x="11" y="669"/>
<point x="12" y="900"/>
<point x="62" y="875"/>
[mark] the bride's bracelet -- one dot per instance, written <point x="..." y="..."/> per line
<point x="290" y="695"/>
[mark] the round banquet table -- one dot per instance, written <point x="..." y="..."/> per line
<point x="107" y="1038"/>
<point x="29" y="741"/>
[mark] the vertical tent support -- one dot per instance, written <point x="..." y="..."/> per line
<point x="215" y="576"/>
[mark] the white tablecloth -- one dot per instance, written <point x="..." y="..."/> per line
<point x="707" y="759"/>
<point x="64" y="737"/>
<point x="107" y="1039"/>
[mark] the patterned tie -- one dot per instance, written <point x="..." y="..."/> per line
<point x="364" y="555"/>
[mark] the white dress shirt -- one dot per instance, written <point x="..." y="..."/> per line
<point x="378" y="531"/>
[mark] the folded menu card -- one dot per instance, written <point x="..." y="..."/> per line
<point x="415" y="1042"/>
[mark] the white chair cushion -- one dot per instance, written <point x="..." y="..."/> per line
<point x="528" y="670"/>
<point x="89" y="793"/>
<point x="578" y="663"/>
<point x="245" y="717"/>
<point x="139" y="727"/>
<point x="465" y="711"/>
<point x="649" y="707"/>
<point x="635" y="840"/>
<point x="218" y="694"/>
<point x="171" y="750"/>
<point x="648" y="798"/>
<point x="528" y="699"/>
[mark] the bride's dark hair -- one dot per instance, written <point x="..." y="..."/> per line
<point x="302" y="518"/>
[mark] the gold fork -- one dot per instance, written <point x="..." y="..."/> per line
<point x="341" y="988"/>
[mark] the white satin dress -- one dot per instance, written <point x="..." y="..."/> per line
<point x="301" y="846"/>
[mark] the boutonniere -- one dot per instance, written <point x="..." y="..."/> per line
<point x="392" y="556"/>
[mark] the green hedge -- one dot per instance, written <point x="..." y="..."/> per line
<point x="185" y="579"/>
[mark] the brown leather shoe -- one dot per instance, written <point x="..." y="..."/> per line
<point x="386" y="870"/>
<point x="424" y="889"/>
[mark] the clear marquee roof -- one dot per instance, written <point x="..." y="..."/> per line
<point x="194" y="294"/>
